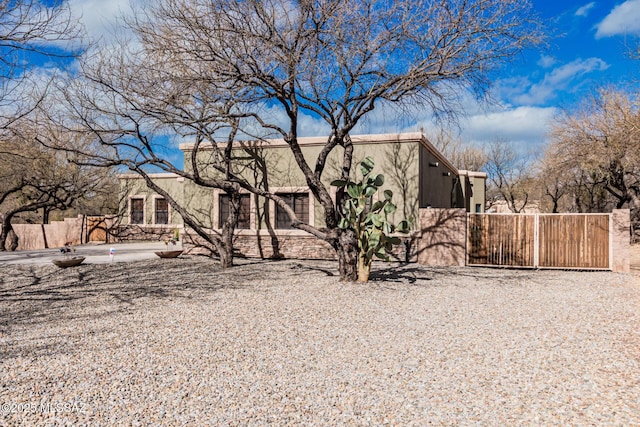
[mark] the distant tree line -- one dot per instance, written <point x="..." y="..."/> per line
<point x="37" y="182"/>
<point x="591" y="163"/>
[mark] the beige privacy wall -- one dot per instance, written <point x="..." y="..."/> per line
<point x="443" y="237"/>
<point x="55" y="235"/>
<point x="621" y="235"/>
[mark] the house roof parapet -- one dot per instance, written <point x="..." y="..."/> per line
<point x="384" y="138"/>
<point x="160" y="175"/>
<point x="318" y="140"/>
<point x="472" y="174"/>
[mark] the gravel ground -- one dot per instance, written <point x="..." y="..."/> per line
<point x="179" y="342"/>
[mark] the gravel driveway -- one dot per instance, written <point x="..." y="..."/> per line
<point x="179" y="342"/>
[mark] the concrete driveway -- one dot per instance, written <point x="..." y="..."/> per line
<point x="94" y="253"/>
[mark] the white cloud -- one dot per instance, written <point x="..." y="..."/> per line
<point x="547" y="61"/>
<point x="101" y="19"/>
<point x="564" y="77"/>
<point x="623" y="19"/>
<point x="311" y="126"/>
<point x="525" y="127"/>
<point x="584" y="10"/>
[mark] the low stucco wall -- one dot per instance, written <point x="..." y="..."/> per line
<point x="621" y="240"/>
<point x="442" y="239"/>
<point x="53" y="235"/>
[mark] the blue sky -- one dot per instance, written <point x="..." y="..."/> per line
<point x="588" y="47"/>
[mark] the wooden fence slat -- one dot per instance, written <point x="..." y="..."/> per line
<point x="563" y="240"/>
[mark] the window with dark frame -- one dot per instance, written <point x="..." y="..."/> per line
<point x="299" y="202"/>
<point x="244" y="215"/>
<point x="162" y="211"/>
<point x="137" y="211"/>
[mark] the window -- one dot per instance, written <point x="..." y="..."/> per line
<point x="162" y="211"/>
<point x="137" y="211"/>
<point x="299" y="202"/>
<point x="478" y="208"/>
<point x="244" y="215"/>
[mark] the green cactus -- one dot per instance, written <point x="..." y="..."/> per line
<point x="368" y="219"/>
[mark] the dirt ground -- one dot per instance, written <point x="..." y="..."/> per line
<point x="183" y="342"/>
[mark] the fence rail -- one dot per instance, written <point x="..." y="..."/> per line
<point x="540" y="240"/>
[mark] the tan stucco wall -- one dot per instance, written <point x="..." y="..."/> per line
<point x="620" y="249"/>
<point x="443" y="237"/>
<point x="437" y="181"/>
<point x="479" y="193"/>
<point x="283" y="172"/>
<point x="473" y="185"/>
<point x="132" y="186"/>
<point x="56" y="234"/>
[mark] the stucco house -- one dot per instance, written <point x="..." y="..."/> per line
<point x="417" y="173"/>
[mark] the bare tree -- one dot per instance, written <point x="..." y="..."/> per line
<point x="598" y="145"/>
<point x="332" y="60"/>
<point x="602" y="138"/>
<point x="567" y="187"/>
<point x="463" y="155"/>
<point x="552" y="179"/>
<point x="28" y="29"/>
<point x="510" y="175"/>
<point x="126" y="107"/>
<point x="33" y="178"/>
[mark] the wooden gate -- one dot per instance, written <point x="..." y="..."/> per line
<point x="540" y="240"/>
<point x="96" y="229"/>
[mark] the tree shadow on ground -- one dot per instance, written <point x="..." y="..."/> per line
<point x="407" y="273"/>
<point x="305" y="267"/>
<point x="401" y="273"/>
<point x="417" y="274"/>
<point x="33" y="294"/>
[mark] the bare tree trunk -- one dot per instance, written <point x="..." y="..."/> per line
<point x="3" y="233"/>
<point x="347" y="249"/>
<point x="13" y="240"/>
<point x="225" y="249"/>
<point x="226" y="256"/>
<point x="8" y="238"/>
<point x="44" y="236"/>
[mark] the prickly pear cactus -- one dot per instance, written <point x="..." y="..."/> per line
<point x="369" y="219"/>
